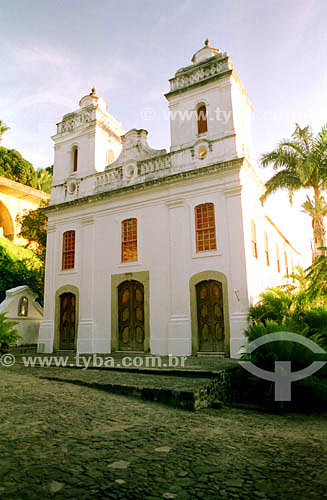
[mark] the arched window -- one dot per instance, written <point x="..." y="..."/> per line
<point x="23" y="306"/>
<point x="202" y="119"/>
<point x="267" y="250"/>
<point x="75" y="159"/>
<point x="205" y="228"/>
<point x="277" y="258"/>
<point x="286" y="264"/>
<point x="68" y="250"/>
<point x="129" y="240"/>
<point x="254" y="240"/>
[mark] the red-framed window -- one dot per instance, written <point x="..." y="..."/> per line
<point x="286" y="264"/>
<point x="202" y="119"/>
<point x="75" y="164"/>
<point x="68" y="250"/>
<point x="129" y="240"/>
<point x="205" y="228"/>
<point x="254" y="240"/>
<point x="277" y="258"/>
<point x="267" y="250"/>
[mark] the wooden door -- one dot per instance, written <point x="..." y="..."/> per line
<point x="131" y="316"/>
<point x="67" y="321"/>
<point x="210" y="312"/>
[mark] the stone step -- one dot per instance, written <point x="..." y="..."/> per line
<point x="179" y="392"/>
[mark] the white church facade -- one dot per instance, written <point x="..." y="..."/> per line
<point x="155" y="251"/>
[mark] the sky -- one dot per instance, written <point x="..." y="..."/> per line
<point x="52" y="53"/>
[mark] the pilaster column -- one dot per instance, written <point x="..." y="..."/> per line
<point x="46" y="331"/>
<point x="85" y="340"/>
<point x="238" y="287"/>
<point x="179" y="324"/>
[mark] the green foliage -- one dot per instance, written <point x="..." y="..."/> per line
<point x="33" y="229"/>
<point x="316" y="277"/>
<point x="274" y="305"/>
<point x="3" y="129"/>
<point x="43" y="179"/>
<point x="290" y="308"/>
<point x="15" y="167"/>
<point x="8" y="335"/>
<point x="301" y="162"/>
<point x="20" y="266"/>
<point x="309" y="391"/>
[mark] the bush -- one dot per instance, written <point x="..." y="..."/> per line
<point x="310" y="391"/>
<point x="20" y="266"/>
<point x="8" y="335"/>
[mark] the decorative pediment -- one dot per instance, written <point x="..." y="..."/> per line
<point x="135" y="148"/>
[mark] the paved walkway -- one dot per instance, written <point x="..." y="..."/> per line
<point x="64" y="441"/>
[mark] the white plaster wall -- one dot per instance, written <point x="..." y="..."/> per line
<point x="166" y="249"/>
<point x="26" y="326"/>
<point x="242" y="120"/>
<point x="63" y="156"/>
<point x="216" y="96"/>
<point x="261" y="276"/>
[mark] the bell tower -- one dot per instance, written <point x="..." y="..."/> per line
<point x="208" y="102"/>
<point x="87" y="140"/>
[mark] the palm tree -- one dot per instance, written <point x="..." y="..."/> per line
<point x="42" y="180"/>
<point x="301" y="163"/>
<point x="3" y="129"/>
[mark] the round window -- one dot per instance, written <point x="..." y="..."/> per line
<point x="202" y="152"/>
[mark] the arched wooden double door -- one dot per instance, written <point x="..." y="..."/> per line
<point x="131" y="316"/>
<point x="210" y="313"/>
<point x="67" y="327"/>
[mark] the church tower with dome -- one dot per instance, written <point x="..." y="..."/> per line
<point x="154" y="251"/>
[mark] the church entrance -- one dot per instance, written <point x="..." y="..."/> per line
<point x="210" y="314"/>
<point x="67" y="330"/>
<point x="131" y="316"/>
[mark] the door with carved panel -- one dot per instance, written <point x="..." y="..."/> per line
<point x="210" y="311"/>
<point x="67" y="321"/>
<point x="131" y="316"/>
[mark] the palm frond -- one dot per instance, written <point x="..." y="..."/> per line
<point x="284" y="180"/>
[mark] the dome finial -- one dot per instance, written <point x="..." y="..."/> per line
<point x="207" y="42"/>
<point x="93" y="92"/>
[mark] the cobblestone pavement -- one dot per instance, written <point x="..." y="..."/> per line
<point x="59" y="440"/>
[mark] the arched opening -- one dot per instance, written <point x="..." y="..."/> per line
<point x="75" y="158"/>
<point x="202" y="119"/>
<point x="209" y="313"/>
<point x="7" y="228"/>
<point x="131" y="316"/>
<point x="119" y="302"/>
<point x="67" y="326"/>
<point x="66" y="318"/>
<point x="23" y="306"/>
